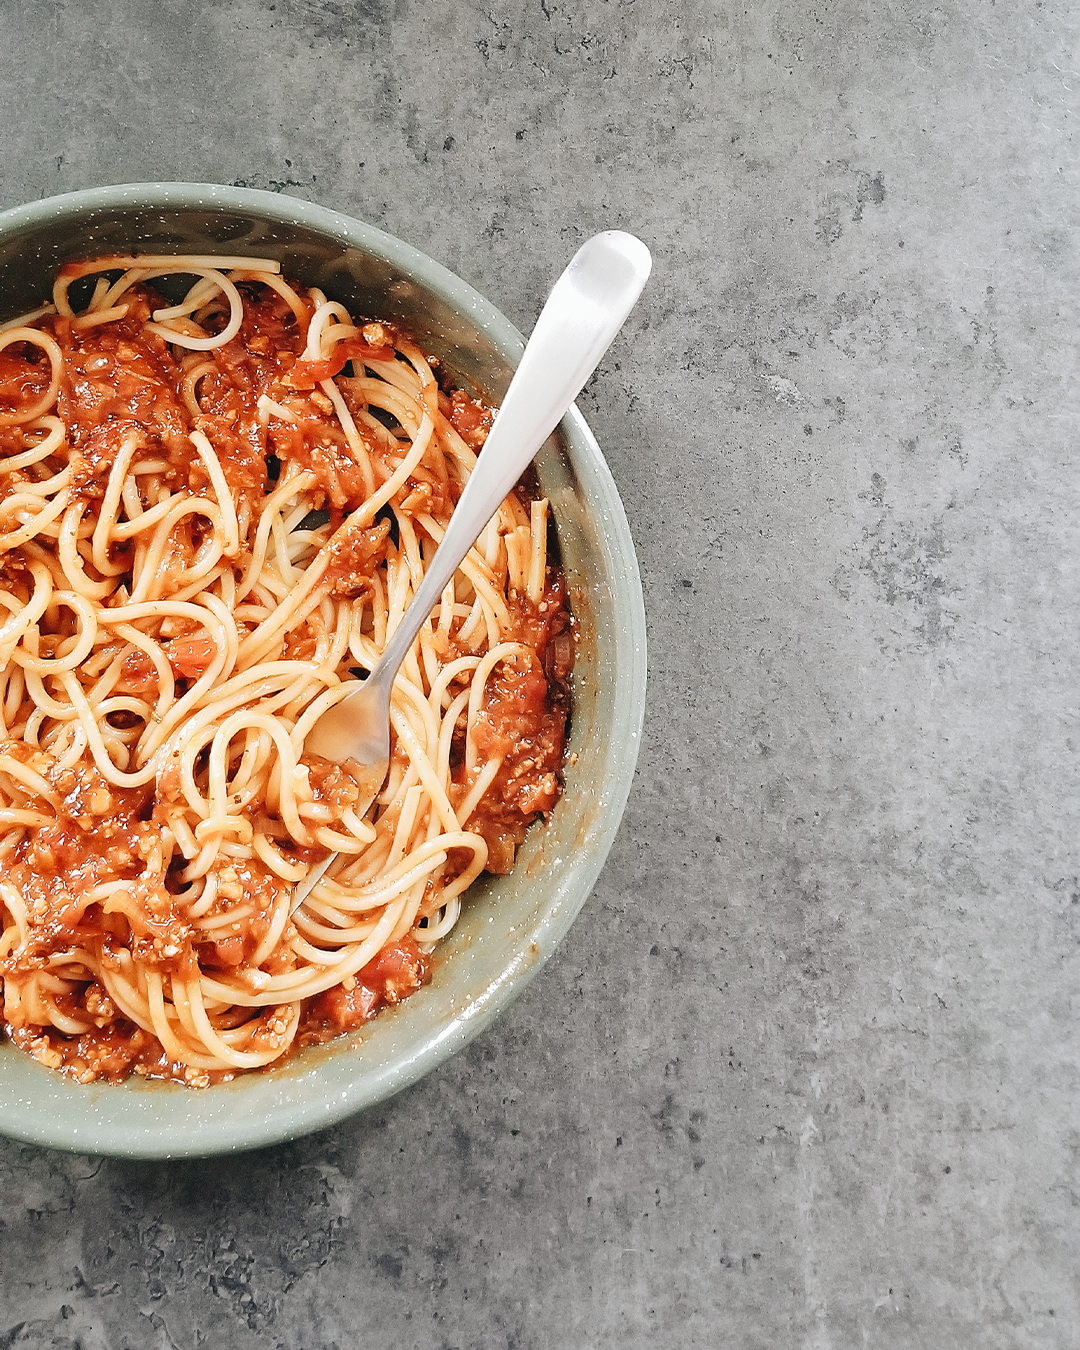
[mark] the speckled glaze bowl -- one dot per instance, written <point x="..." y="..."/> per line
<point x="509" y="925"/>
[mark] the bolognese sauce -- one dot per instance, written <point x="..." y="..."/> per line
<point x="217" y="511"/>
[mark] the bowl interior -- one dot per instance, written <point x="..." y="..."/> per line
<point x="509" y="925"/>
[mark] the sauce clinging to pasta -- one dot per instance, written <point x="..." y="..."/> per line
<point x="214" y="514"/>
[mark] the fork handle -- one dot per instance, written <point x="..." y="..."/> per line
<point x="586" y="308"/>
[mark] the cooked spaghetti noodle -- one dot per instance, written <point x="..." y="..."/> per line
<point x="213" y="513"/>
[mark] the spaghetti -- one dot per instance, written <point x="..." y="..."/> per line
<point x="213" y="514"/>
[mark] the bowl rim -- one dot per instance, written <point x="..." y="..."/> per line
<point x="54" y="1117"/>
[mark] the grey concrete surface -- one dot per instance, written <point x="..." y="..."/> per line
<point x="805" y="1072"/>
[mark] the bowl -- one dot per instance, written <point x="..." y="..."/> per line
<point x="509" y="925"/>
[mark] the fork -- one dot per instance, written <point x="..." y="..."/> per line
<point x="586" y="308"/>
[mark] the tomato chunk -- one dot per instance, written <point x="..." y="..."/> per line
<point x="394" y="973"/>
<point x="307" y="374"/>
<point x="191" y="656"/>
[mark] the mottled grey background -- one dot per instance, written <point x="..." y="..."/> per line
<point x="805" y="1072"/>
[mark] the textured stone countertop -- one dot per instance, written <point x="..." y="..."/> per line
<point x="804" y="1074"/>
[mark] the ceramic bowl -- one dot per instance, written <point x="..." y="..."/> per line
<point x="509" y="925"/>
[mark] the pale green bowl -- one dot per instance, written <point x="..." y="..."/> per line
<point x="510" y="925"/>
